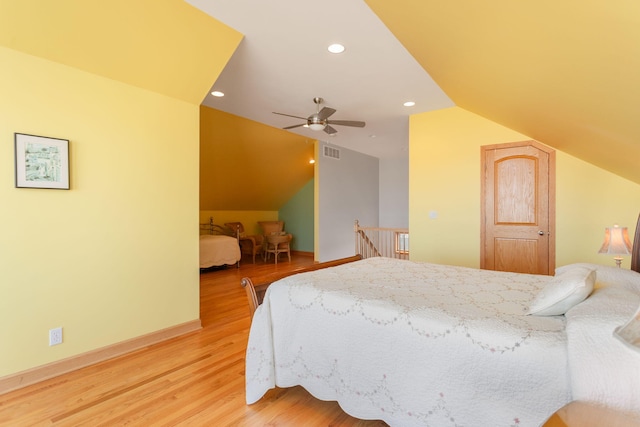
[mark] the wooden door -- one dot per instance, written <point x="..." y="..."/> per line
<point x="518" y="208"/>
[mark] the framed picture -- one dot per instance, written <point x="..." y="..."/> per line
<point x="41" y="162"/>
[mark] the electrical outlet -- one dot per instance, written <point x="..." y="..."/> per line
<point x="55" y="336"/>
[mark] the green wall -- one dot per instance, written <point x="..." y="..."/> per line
<point x="297" y="215"/>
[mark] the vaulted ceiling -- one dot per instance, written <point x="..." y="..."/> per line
<point x="245" y="165"/>
<point x="564" y="73"/>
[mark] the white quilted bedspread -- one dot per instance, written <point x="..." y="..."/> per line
<point x="413" y="344"/>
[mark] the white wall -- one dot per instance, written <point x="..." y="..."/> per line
<point x="394" y="192"/>
<point x="348" y="190"/>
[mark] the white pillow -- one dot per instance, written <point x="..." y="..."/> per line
<point x="608" y="275"/>
<point x="564" y="291"/>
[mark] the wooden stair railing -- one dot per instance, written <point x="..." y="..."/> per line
<point x="380" y="241"/>
<point x="364" y="245"/>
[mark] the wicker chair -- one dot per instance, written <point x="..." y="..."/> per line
<point x="277" y="244"/>
<point x="250" y="245"/>
<point x="271" y="227"/>
<point x="276" y="241"/>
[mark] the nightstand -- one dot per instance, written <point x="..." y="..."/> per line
<point x="583" y="414"/>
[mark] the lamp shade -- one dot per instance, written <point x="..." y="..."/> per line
<point x="616" y="241"/>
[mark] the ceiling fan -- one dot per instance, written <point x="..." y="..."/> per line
<point x="320" y="119"/>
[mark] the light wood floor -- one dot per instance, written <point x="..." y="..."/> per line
<point x="194" y="380"/>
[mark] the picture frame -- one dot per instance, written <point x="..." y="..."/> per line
<point x="41" y="162"/>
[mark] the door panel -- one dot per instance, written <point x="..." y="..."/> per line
<point x="515" y="187"/>
<point x="526" y="252"/>
<point x="517" y="215"/>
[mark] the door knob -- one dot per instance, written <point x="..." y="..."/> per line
<point x="541" y="233"/>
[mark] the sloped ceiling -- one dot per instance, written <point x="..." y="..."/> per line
<point x="283" y="63"/>
<point x="245" y="165"/>
<point x="565" y="73"/>
<point x="167" y="46"/>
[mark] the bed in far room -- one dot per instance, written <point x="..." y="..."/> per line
<point x="420" y="344"/>
<point x="219" y="246"/>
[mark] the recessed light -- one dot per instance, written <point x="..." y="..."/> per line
<point x="336" y="48"/>
<point x="409" y="104"/>
<point x="217" y="93"/>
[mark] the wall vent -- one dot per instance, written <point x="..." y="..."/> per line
<point x="332" y="152"/>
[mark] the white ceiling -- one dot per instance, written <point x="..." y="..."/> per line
<point x="283" y="63"/>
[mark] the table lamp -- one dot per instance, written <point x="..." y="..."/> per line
<point x="616" y="242"/>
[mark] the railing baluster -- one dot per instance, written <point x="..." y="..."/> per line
<point x="378" y="241"/>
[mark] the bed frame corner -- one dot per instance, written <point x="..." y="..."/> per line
<point x="635" y="252"/>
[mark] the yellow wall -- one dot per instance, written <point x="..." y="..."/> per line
<point x="588" y="200"/>
<point x="249" y="219"/>
<point x="116" y="256"/>
<point x="444" y="177"/>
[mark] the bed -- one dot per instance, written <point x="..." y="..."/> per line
<point x="418" y="344"/>
<point x="219" y="246"/>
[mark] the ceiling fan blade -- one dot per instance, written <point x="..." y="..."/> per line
<point x="295" y="126"/>
<point x="289" y="115"/>
<point x="328" y="129"/>
<point x="325" y="113"/>
<point x="353" y="123"/>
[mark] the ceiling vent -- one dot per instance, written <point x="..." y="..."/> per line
<point x="332" y="152"/>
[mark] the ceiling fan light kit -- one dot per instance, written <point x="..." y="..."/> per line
<point x="320" y="119"/>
